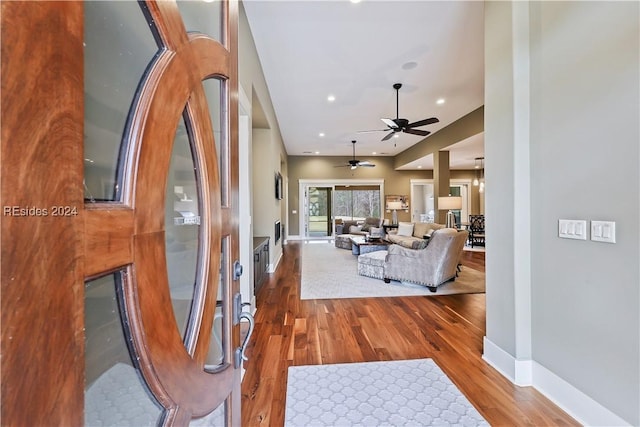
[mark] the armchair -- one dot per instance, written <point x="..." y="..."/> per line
<point x="431" y="266"/>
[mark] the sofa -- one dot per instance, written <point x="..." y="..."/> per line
<point x="344" y="231"/>
<point x="432" y="266"/>
<point x="360" y="228"/>
<point x="413" y="235"/>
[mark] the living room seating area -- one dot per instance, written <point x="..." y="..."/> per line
<point x="427" y="254"/>
<point x="413" y="235"/>
<point x="358" y="227"/>
<point x="431" y="266"/>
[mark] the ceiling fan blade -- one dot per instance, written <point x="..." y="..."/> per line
<point x="424" y="122"/>
<point x="417" y="132"/>
<point x="364" y="163"/>
<point x="388" y="136"/>
<point x="392" y="124"/>
<point x="367" y="165"/>
<point x="374" y="130"/>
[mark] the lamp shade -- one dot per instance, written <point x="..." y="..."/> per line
<point x="394" y="205"/>
<point x="449" y="203"/>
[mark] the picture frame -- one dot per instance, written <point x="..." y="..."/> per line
<point x="278" y="186"/>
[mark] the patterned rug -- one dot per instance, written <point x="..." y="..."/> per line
<point x="329" y="272"/>
<point x="395" y="393"/>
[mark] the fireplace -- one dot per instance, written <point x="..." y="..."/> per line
<point x="277" y="232"/>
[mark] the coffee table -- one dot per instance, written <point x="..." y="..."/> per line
<point x="360" y="245"/>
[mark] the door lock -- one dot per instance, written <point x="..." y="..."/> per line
<point x="237" y="270"/>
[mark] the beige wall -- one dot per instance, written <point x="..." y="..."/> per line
<point x="463" y="128"/>
<point x="266" y="148"/>
<point x="395" y="182"/>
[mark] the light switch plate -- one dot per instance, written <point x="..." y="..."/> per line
<point x="603" y="231"/>
<point x="572" y="229"/>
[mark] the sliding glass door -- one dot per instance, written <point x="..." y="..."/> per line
<point x="356" y="202"/>
<point x="324" y="202"/>
<point x="319" y="222"/>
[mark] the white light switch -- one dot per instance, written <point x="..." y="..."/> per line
<point x="572" y="229"/>
<point x="603" y="231"/>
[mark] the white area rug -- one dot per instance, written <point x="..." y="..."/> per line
<point x="329" y="272"/>
<point x="118" y="398"/>
<point x="395" y="393"/>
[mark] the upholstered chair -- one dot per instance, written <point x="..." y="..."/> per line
<point x="431" y="266"/>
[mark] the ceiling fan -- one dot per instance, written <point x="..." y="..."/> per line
<point x="403" y="125"/>
<point x="354" y="164"/>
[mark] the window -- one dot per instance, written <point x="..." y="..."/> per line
<point x="356" y="202"/>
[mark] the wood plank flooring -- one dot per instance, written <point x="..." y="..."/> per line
<point x="448" y="329"/>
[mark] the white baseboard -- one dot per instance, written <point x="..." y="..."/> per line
<point x="574" y="402"/>
<point x="273" y="267"/>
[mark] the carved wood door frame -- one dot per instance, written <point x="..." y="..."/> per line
<point x="46" y="259"/>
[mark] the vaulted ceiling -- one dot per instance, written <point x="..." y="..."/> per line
<point x="355" y="52"/>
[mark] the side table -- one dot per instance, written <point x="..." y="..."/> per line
<point x="388" y="227"/>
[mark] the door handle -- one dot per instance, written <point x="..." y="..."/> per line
<point x="239" y="355"/>
<point x="249" y="318"/>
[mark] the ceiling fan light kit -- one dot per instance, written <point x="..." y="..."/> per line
<point x="403" y="125"/>
<point x="354" y="163"/>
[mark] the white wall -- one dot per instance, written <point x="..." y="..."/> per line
<point x="583" y="147"/>
<point x="498" y="146"/>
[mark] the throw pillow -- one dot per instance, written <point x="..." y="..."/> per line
<point x="355" y="229"/>
<point x="365" y="227"/>
<point x="376" y="232"/>
<point x="421" y="228"/>
<point x="405" y="229"/>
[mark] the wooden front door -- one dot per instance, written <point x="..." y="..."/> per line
<point x="120" y="294"/>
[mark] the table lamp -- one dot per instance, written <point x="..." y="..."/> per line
<point x="394" y="207"/>
<point x="450" y="204"/>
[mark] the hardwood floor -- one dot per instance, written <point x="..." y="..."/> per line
<point x="448" y="329"/>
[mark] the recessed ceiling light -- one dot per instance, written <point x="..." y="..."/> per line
<point x="409" y="65"/>
<point x="419" y="166"/>
<point x="440" y="101"/>
<point x="355" y="1"/>
<point x="396" y="136"/>
<point x="331" y="98"/>
<point x="317" y="152"/>
<point x="321" y="134"/>
<point x="374" y="153"/>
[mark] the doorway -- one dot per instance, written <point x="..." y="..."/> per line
<point x="422" y="209"/>
<point x="461" y="188"/>
<point x="323" y="202"/>
<point x="318" y="208"/>
<point x="422" y="201"/>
